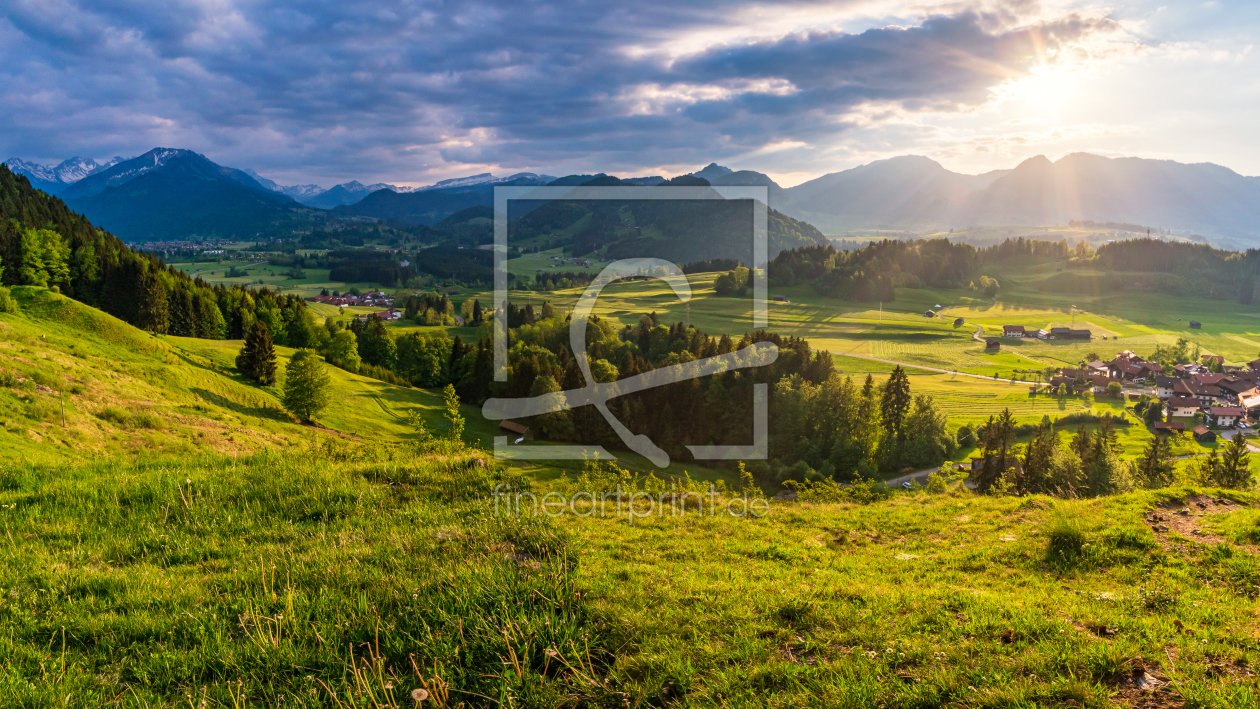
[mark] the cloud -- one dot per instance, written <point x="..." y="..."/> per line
<point x="411" y="91"/>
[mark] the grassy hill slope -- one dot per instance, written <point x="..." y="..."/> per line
<point x="299" y="579"/>
<point x="127" y="391"/>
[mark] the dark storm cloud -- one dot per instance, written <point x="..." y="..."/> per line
<point x="394" y="89"/>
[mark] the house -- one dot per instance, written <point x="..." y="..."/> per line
<point x="1196" y="325"/>
<point x="1165" y="427"/>
<point x="1209" y="394"/>
<point x="522" y="432"/>
<point x="1068" y="383"/>
<point x="1098" y="367"/>
<point x="991" y="344"/>
<point x="1182" y="406"/>
<point x="1099" y="382"/>
<point x="1254" y="365"/>
<point x="1012" y="331"/>
<point x="1038" y="333"/>
<point x="1067" y="333"/>
<point x="1164" y="386"/>
<point x="959" y="322"/>
<point x="1202" y="434"/>
<point x="1226" y="416"/>
<point x="929" y="313"/>
<point x="781" y="299"/>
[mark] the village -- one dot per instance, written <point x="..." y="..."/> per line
<point x="1204" y="399"/>
<point x="371" y="299"/>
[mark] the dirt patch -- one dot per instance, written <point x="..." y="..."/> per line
<point x="1143" y="685"/>
<point x="1184" y="519"/>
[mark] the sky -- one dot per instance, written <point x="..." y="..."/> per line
<point x="314" y="91"/>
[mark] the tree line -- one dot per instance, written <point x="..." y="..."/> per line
<point x="1089" y="464"/>
<point x="44" y="243"/>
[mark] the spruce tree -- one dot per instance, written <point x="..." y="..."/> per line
<point x="257" y="359"/>
<point x="1235" y="468"/>
<point x="153" y="313"/>
<point x="306" y="386"/>
<point x="895" y="403"/>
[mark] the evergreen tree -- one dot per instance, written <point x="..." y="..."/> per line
<point x="1156" y="467"/>
<point x="257" y="360"/>
<point x="307" y="386"/>
<point x="895" y="403"/>
<point x="1235" y="468"/>
<point x="153" y="314"/>
<point x="1101" y="465"/>
<point x="183" y="318"/>
<point x="478" y="313"/>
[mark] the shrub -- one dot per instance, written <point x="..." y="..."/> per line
<point x="148" y="419"/>
<point x="7" y="303"/>
<point x="1065" y="539"/>
<point x="115" y="415"/>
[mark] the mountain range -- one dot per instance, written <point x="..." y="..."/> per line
<point x="915" y="193"/>
<point x="53" y="179"/>
<point x="156" y="195"/>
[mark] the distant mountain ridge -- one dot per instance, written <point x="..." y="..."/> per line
<point x="53" y="179"/>
<point x="916" y="193"/>
<point x="173" y="194"/>
<point x="908" y="193"/>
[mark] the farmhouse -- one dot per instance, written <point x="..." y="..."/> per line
<point x="1038" y="333"/>
<point x="991" y="344"/>
<point x="1202" y="434"/>
<point x="1181" y="406"/>
<point x="1012" y="331"/>
<point x="1226" y="416"/>
<point x="1196" y="325"/>
<point x="1067" y="333"/>
<point x="929" y="313"/>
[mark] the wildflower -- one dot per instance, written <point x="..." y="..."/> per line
<point x="419" y="695"/>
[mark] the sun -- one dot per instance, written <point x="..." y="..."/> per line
<point x="1048" y="92"/>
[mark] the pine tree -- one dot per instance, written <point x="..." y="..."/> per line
<point x="1156" y="466"/>
<point x="153" y="314"/>
<point x="895" y="403"/>
<point x="1235" y="469"/>
<point x="257" y="359"/>
<point x="183" y="319"/>
<point x="307" y="386"/>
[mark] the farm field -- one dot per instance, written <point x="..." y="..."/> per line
<point x="273" y="277"/>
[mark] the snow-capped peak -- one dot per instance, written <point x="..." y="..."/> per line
<point x="66" y="172"/>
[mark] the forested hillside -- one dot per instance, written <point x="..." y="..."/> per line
<point x="44" y="243"/>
